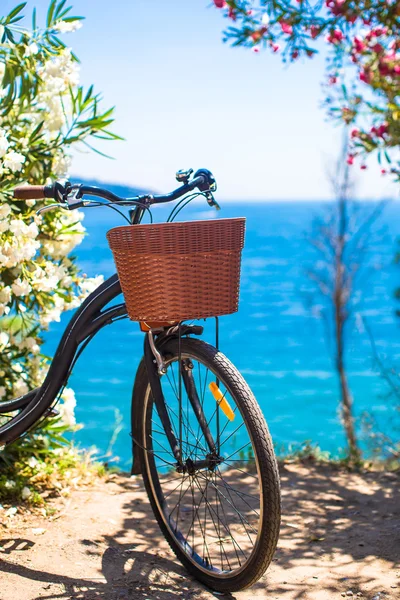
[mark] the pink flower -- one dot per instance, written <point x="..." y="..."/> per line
<point x="286" y="27"/>
<point x="378" y="31"/>
<point x="295" y="54"/>
<point x="350" y="159"/>
<point x="232" y="13"/>
<point x="335" y="37"/>
<point x="383" y="68"/>
<point x="378" y="48"/>
<point x="256" y="49"/>
<point x="363" y="167"/>
<point x="314" y="30"/>
<point x="275" y="47"/>
<point x="336" y="8"/>
<point x="220" y="3"/>
<point x="332" y="80"/>
<point x="355" y="133"/>
<point x="366" y="76"/>
<point x="382" y="129"/>
<point x="359" y="45"/>
<point x="383" y="171"/>
<point x="396" y="69"/>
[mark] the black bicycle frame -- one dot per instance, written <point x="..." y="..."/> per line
<point x="86" y="322"/>
<point x="90" y="317"/>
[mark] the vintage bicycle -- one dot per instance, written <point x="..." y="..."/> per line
<point x="199" y="438"/>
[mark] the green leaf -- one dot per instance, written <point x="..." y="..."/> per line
<point x="59" y="8"/>
<point x="35" y="132"/>
<point x="15" y="12"/>
<point x="34" y="19"/>
<point x="88" y="94"/>
<point x="98" y="151"/>
<point x="50" y="12"/>
<point x="388" y="157"/>
<point x="71" y="19"/>
<point x="16" y="19"/>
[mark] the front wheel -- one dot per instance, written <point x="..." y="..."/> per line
<point x="220" y="513"/>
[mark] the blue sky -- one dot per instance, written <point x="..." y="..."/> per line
<point x="185" y="99"/>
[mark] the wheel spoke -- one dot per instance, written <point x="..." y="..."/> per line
<point x="208" y="506"/>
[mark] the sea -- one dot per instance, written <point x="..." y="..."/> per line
<point x="280" y="339"/>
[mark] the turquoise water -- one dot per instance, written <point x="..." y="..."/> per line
<point x="275" y="340"/>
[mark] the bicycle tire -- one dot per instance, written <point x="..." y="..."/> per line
<point x="269" y="522"/>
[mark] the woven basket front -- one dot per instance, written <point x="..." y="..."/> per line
<point x="178" y="271"/>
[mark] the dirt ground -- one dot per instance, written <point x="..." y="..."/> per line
<point x="340" y="536"/>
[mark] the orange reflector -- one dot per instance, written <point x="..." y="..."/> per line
<point x="221" y="401"/>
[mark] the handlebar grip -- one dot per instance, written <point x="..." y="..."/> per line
<point x="198" y="182"/>
<point x="30" y="192"/>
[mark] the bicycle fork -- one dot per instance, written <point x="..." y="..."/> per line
<point x="155" y="366"/>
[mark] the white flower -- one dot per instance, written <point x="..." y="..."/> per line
<point x="47" y="317"/>
<point x="67" y="408"/>
<point x="4" y="208"/>
<point x="9" y="484"/>
<point x="31" y="344"/>
<point x="20" y="288"/>
<point x="57" y="75"/>
<point x="3" y="143"/>
<point x="3" y="391"/>
<point x="4" y="310"/>
<point x="32" y="230"/>
<point x="91" y="283"/>
<point x="5" y="295"/>
<point x="68" y="26"/>
<point x="30" y="202"/>
<point x="265" y="19"/>
<point x="32" y="462"/>
<point x="31" y="49"/>
<point x="4" y="339"/>
<point x="20" y="388"/>
<point x="26" y="492"/>
<point x="14" y="161"/>
<point x="61" y="165"/>
<point x="17" y="226"/>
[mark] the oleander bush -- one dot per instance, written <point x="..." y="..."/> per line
<point x="44" y="113"/>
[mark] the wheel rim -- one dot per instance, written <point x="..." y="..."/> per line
<point x="215" y="516"/>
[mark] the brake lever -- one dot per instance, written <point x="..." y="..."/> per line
<point x="211" y="200"/>
<point x="50" y="207"/>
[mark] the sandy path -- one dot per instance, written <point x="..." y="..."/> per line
<point x="340" y="533"/>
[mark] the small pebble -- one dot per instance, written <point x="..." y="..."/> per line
<point x="349" y="593"/>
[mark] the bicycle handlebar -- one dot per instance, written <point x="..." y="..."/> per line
<point x="203" y="180"/>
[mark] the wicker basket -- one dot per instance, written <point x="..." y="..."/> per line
<point x="178" y="271"/>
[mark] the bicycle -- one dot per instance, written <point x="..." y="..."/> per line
<point x="199" y="438"/>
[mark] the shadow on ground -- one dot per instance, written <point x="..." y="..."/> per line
<point x="340" y="531"/>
